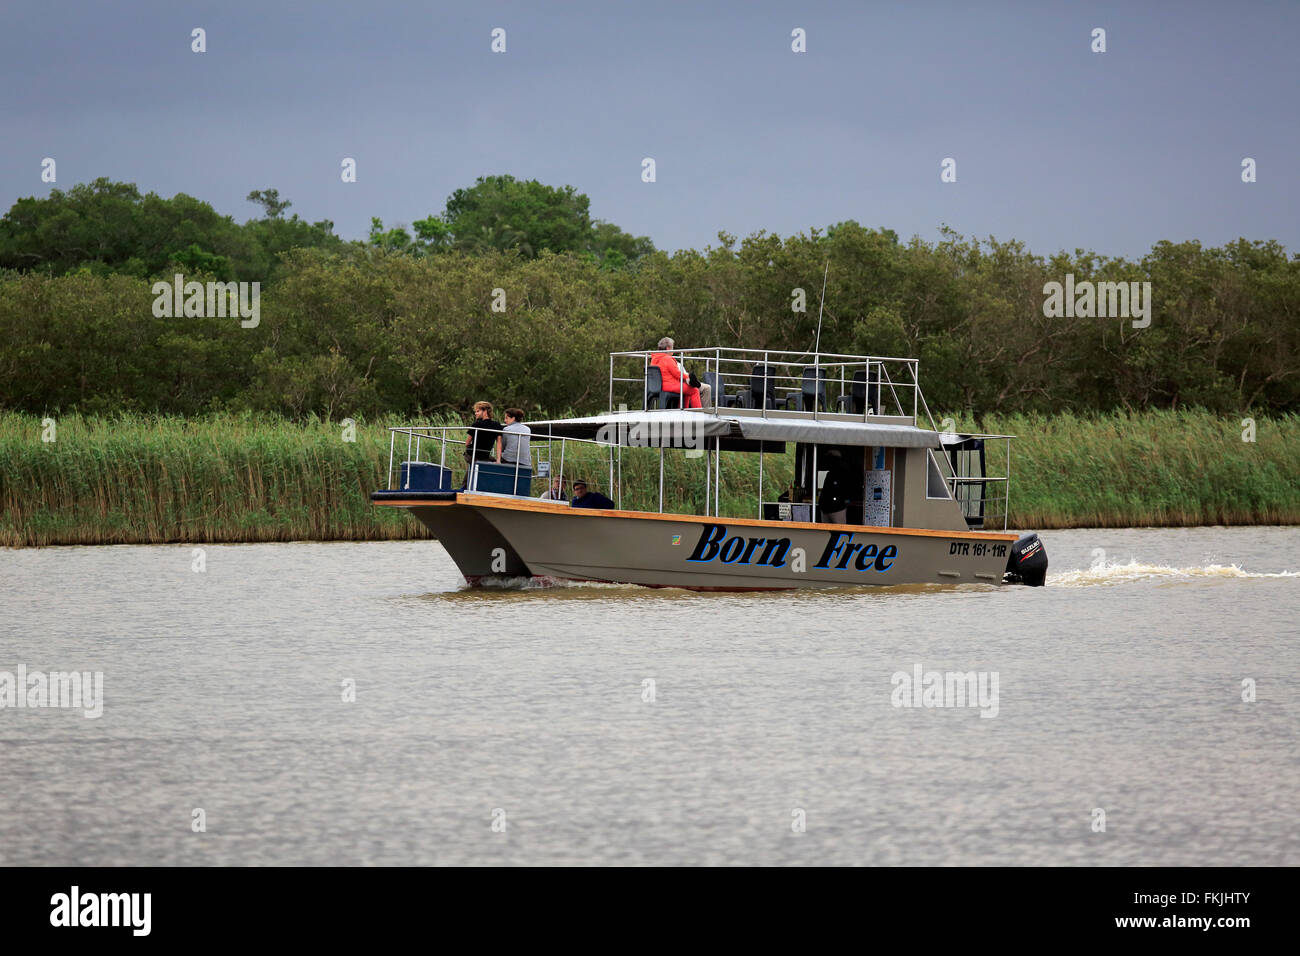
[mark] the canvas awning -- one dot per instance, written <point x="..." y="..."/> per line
<point x="823" y="432"/>
<point x="669" y="428"/>
<point x="674" y="428"/>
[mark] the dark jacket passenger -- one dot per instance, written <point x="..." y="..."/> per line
<point x="583" y="498"/>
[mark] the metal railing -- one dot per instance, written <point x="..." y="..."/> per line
<point x="545" y="464"/>
<point x="773" y="381"/>
<point x="770" y="382"/>
<point x="418" y="434"/>
<point x="542" y="463"/>
<point x="542" y="460"/>
<point x="960" y="486"/>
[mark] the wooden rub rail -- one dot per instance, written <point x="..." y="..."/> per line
<point x="557" y="507"/>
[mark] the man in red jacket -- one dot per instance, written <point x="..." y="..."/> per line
<point x="676" y="378"/>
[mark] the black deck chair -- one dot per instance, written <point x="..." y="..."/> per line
<point x="656" y="397"/>
<point x="814" y="389"/>
<point x="719" y="391"/>
<point x="860" y="395"/>
<point x="762" y="384"/>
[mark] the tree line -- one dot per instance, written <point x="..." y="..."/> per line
<point x="516" y="294"/>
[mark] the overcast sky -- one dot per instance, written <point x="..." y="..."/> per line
<point x="1054" y="144"/>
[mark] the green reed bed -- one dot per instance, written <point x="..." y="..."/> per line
<point x="1158" y="468"/>
<point x="139" y="479"/>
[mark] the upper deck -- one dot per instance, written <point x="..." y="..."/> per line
<point x="773" y="384"/>
<point x="861" y="416"/>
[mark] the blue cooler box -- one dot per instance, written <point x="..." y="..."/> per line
<point x="424" y="476"/>
<point x="500" y="479"/>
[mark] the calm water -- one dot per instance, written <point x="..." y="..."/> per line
<point x="1119" y="688"/>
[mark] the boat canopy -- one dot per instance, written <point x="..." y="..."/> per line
<point x="673" y="428"/>
<point x="823" y="432"/>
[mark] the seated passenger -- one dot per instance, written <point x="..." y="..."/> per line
<point x="676" y="379"/>
<point x="582" y="498"/>
<point x="555" y="492"/>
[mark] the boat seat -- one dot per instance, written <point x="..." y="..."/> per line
<point x="812" y="395"/>
<point x="762" y="387"/>
<point x="423" y="476"/>
<point x="501" y="479"/>
<point x="856" y="398"/>
<point x="655" y="396"/>
<point x="719" y="391"/>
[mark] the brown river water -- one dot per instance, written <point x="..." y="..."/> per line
<point x="352" y="703"/>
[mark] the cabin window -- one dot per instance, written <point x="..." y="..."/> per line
<point x="935" y="486"/>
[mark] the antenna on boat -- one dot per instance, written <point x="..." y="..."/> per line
<point x="818" y="347"/>
<point x="817" y="359"/>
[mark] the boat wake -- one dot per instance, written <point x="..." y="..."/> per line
<point x="513" y="583"/>
<point x="501" y="582"/>
<point x="1110" y="574"/>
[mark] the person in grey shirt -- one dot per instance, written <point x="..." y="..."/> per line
<point x="514" y="440"/>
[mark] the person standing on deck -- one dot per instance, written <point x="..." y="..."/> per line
<point x="483" y="443"/>
<point x="676" y="380"/>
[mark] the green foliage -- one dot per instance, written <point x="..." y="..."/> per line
<point x="93" y="343"/>
<point x="193" y="260"/>
<point x="405" y="323"/>
<point x="371" y="328"/>
<point x="613" y="248"/>
<point x="128" y="478"/>
<point x="106" y="227"/>
<point x="274" y="236"/>
<point x="1159" y="467"/>
<point x="269" y="199"/>
<point x="504" y="214"/>
<point x="501" y="213"/>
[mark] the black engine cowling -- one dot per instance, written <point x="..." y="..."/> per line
<point x="1027" y="563"/>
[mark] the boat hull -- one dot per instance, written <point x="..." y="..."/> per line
<point x="489" y="535"/>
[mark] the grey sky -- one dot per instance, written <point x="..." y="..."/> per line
<point x="1055" y="145"/>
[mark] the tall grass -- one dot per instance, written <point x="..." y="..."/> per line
<point x="139" y="479"/>
<point x="1163" y="468"/>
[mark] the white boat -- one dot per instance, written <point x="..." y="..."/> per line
<point x="876" y="499"/>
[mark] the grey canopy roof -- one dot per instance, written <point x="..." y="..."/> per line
<point x="670" y="428"/>
<point x="674" y="428"/>
<point x="956" y="438"/>
<point x="824" y="432"/>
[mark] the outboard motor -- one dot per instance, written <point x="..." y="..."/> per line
<point x="1027" y="563"/>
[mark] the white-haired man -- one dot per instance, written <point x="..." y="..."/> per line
<point x="676" y="380"/>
